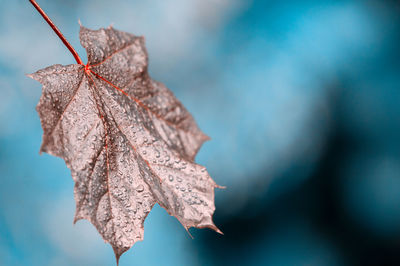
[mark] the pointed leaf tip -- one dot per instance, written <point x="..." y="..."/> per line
<point x="220" y="187"/>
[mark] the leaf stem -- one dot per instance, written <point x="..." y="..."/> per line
<point x="57" y="31"/>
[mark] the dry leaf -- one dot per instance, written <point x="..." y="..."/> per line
<point x="128" y="141"/>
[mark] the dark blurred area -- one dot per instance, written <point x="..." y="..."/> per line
<point x="301" y="100"/>
<point x="346" y="211"/>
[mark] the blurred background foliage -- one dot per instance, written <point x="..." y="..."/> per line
<point x="301" y="100"/>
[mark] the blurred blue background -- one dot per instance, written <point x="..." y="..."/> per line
<point x="301" y="100"/>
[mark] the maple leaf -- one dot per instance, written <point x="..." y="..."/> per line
<point x="128" y="141"/>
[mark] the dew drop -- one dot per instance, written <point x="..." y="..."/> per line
<point x="140" y="188"/>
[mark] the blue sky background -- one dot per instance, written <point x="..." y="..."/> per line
<point x="301" y="100"/>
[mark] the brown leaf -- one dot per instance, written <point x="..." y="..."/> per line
<point x="128" y="141"/>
